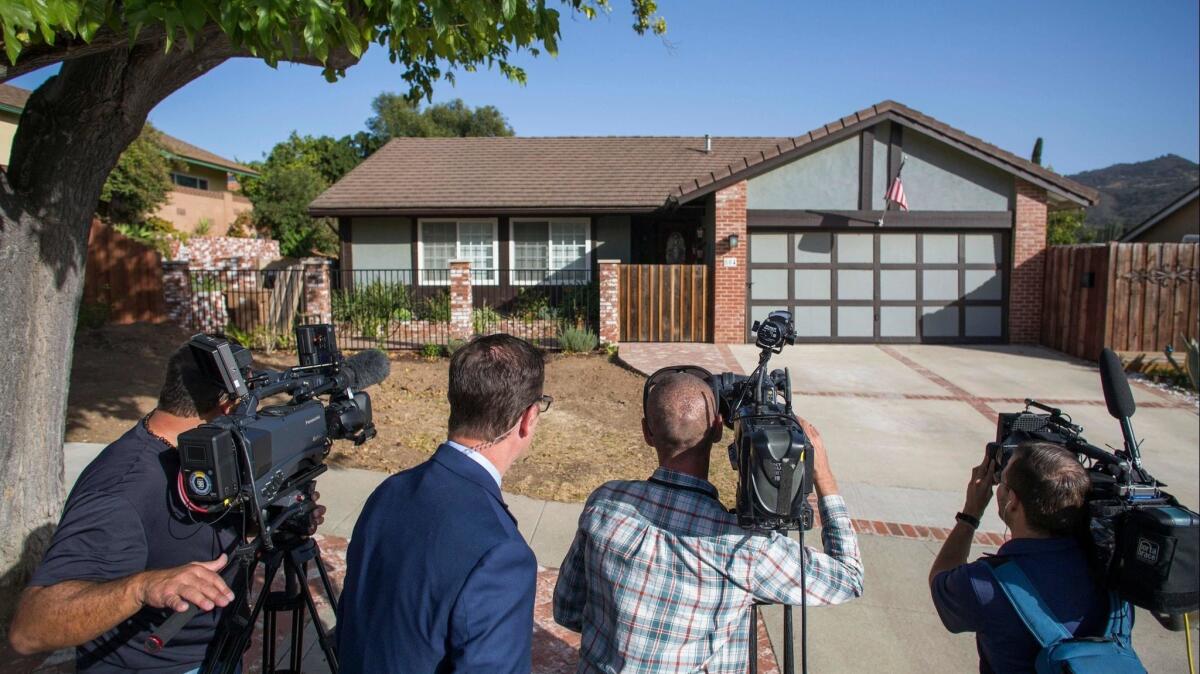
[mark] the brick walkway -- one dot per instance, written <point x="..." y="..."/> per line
<point x="646" y="357"/>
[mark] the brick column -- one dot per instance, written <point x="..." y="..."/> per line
<point x="177" y="295"/>
<point x="729" y="276"/>
<point x="317" y="304"/>
<point x="1028" y="264"/>
<point x="610" y="302"/>
<point x="461" y="301"/>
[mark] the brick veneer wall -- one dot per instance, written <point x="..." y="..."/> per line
<point x="729" y="283"/>
<point x="610" y="302"/>
<point x="461" y="301"/>
<point x="207" y="252"/>
<point x="317" y="304"/>
<point x="1028" y="265"/>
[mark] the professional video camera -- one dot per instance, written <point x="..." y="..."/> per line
<point x="1144" y="544"/>
<point x="770" y="452"/>
<point x="263" y="463"/>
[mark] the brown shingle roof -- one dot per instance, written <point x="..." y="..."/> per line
<point x="582" y="173"/>
<point x="413" y="175"/>
<point x="16" y="97"/>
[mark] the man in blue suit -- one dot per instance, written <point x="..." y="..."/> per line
<point x="438" y="578"/>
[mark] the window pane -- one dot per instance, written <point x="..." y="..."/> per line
<point x="856" y="322"/>
<point x="982" y="248"/>
<point x="897" y="248"/>
<point x="768" y="284"/>
<point x="812" y="284"/>
<point x="983" y="322"/>
<point x="983" y="284"/>
<point x="939" y="248"/>
<point x="437" y="244"/>
<point x="531" y="251"/>
<point x="897" y="321"/>
<point x="812" y="321"/>
<point x="768" y="247"/>
<point x="813" y="247"/>
<point x="856" y="248"/>
<point x="897" y="284"/>
<point x="939" y="284"/>
<point x="939" y="322"/>
<point x="855" y="284"/>
<point x="475" y="245"/>
<point x="568" y="245"/>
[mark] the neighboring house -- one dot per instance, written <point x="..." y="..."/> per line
<point x="205" y="184"/>
<point x="1178" y="221"/>
<point x="783" y="223"/>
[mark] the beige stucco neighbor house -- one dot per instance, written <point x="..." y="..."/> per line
<point x="1177" y="221"/>
<point x="205" y="184"/>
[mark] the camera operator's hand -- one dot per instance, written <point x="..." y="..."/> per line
<point x="979" y="489"/>
<point x="823" y="478"/>
<point x="317" y="517"/>
<point x="198" y="583"/>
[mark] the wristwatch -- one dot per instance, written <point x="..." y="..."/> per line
<point x="970" y="520"/>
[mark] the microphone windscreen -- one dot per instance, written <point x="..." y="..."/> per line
<point x="366" y="368"/>
<point x="1116" y="387"/>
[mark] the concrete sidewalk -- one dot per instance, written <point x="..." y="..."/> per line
<point x="893" y="627"/>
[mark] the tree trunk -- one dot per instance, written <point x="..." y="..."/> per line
<point x="71" y="134"/>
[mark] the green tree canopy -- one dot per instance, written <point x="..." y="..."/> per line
<point x="281" y="194"/>
<point x="139" y="183"/>
<point x="399" y="117"/>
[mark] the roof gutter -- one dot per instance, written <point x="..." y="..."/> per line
<point x="207" y="164"/>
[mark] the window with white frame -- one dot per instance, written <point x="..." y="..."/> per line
<point x="441" y="241"/>
<point x="554" y="249"/>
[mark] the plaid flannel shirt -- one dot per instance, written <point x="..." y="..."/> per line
<point x="661" y="578"/>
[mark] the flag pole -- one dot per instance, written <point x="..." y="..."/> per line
<point x="886" y="201"/>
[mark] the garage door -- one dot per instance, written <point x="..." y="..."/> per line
<point x="893" y="286"/>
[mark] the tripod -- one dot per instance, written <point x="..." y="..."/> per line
<point x="293" y="554"/>
<point x="789" y="656"/>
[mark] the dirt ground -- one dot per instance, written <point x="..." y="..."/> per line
<point x="591" y="434"/>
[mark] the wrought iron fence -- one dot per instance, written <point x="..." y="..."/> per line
<point x="388" y="308"/>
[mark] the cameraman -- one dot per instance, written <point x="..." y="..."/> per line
<point x="1041" y="497"/>
<point x="128" y="552"/>
<point x="660" y="576"/>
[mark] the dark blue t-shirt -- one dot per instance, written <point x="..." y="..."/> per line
<point x="123" y="517"/>
<point x="968" y="600"/>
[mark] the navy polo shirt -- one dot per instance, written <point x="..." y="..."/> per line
<point x="969" y="600"/>
<point x="124" y="517"/>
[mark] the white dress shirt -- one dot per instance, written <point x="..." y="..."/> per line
<point x="479" y="459"/>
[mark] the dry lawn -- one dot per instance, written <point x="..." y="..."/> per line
<point x="591" y="434"/>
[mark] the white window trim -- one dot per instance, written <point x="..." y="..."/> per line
<point x="494" y="222"/>
<point x="512" y="248"/>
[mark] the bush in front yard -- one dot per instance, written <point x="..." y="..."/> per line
<point x="484" y="319"/>
<point x="574" y="340"/>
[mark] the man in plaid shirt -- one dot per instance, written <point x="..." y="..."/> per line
<point x="660" y="577"/>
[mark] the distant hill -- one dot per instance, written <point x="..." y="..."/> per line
<point x="1130" y="193"/>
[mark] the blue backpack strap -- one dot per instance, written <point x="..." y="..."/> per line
<point x="1028" y="604"/>
<point x="1117" y="613"/>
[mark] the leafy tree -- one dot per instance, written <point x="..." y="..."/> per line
<point x="140" y="182"/>
<point x="281" y="194"/>
<point x="331" y="158"/>
<point x="399" y="117"/>
<point x="118" y="60"/>
<point x="1036" y="157"/>
<point x="1066" y="227"/>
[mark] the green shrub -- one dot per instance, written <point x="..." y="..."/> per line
<point x="531" y="304"/>
<point x="203" y="227"/>
<point x="578" y="302"/>
<point x="574" y="340"/>
<point x="431" y="351"/>
<point x="610" y="350"/>
<point x="93" y="315"/>
<point x="370" y="308"/>
<point x="454" y="345"/>
<point x="484" y="319"/>
<point x="207" y="282"/>
<point x="435" y="308"/>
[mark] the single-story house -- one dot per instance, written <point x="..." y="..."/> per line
<point x="780" y="222"/>
<point x="205" y="184"/>
<point x="1178" y="221"/>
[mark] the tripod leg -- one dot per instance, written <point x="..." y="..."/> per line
<point x="322" y="634"/>
<point x="789" y="656"/>
<point x="753" y="666"/>
<point x="329" y="593"/>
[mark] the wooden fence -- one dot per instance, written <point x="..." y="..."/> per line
<point x="665" y="303"/>
<point x="1132" y="297"/>
<point x="124" y="276"/>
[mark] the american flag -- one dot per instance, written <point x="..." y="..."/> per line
<point x="895" y="194"/>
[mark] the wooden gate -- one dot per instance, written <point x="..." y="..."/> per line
<point x="1132" y="297"/>
<point x="665" y="303"/>
<point x="123" y="275"/>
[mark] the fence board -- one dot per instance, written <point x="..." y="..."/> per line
<point x="1144" y="296"/>
<point x="124" y="276"/>
<point x="664" y="303"/>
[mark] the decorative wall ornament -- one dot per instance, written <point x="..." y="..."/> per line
<point x="1162" y="276"/>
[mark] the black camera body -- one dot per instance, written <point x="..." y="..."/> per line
<point x="1143" y="543"/>
<point x="260" y="458"/>
<point x="770" y="450"/>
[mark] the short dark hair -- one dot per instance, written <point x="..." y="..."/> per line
<point x="187" y="391"/>
<point x="493" y="380"/>
<point x="1052" y="486"/>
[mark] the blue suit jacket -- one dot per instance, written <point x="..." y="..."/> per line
<point x="438" y="578"/>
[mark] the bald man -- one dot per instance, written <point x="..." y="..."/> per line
<point x="660" y="578"/>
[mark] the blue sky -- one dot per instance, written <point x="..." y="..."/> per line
<point x="1102" y="81"/>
